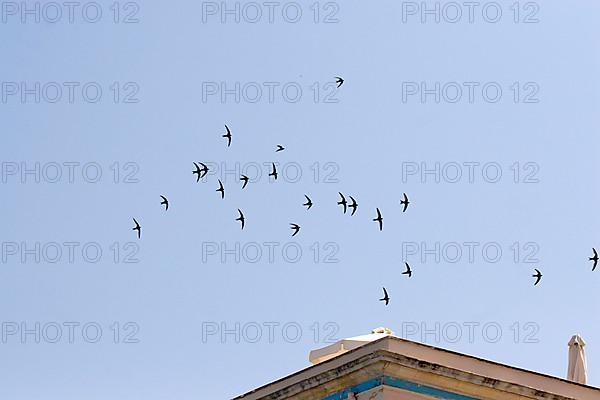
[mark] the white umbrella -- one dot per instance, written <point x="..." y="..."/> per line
<point x="577" y="371"/>
<point x="345" y="345"/>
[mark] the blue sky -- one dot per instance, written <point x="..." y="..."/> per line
<point x="325" y="285"/>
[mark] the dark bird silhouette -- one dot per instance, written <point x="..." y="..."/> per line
<point x="405" y="202"/>
<point x="197" y="172"/>
<point x="308" y="203"/>
<point x="385" y="298"/>
<point x="594" y="259"/>
<point x="353" y="206"/>
<point x="241" y="218"/>
<point x="221" y="189"/>
<point x="137" y="228"/>
<point x="379" y="219"/>
<point x="279" y="148"/>
<point x="295" y="228"/>
<point x="538" y="276"/>
<point x="244" y="179"/>
<point x="165" y="202"/>
<point x="228" y="136"/>
<point x="342" y="202"/>
<point x="339" y="81"/>
<point x="204" y="170"/>
<point x="274" y="172"/>
<point x="408" y="270"/>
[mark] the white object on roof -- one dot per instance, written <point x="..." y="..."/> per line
<point x="340" y="347"/>
<point x="577" y="371"/>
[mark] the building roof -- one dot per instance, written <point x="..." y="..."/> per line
<point x="392" y="364"/>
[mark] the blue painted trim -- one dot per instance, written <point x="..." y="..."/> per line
<point x="361" y="387"/>
<point x="422" y="389"/>
<point x="398" y="384"/>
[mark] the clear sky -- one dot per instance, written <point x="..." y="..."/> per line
<point x="153" y="329"/>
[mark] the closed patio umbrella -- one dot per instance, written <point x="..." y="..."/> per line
<point x="577" y="371"/>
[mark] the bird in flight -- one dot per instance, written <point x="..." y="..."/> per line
<point x="594" y="259"/>
<point x="274" y="172"/>
<point x="221" y="189"/>
<point x="295" y="228"/>
<point x="228" y="136"/>
<point x="353" y="206"/>
<point x="308" y="203"/>
<point x="405" y="202"/>
<point x="379" y="219"/>
<point x="279" y="148"/>
<point x="538" y="276"/>
<point x="385" y="298"/>
<point x="244" y="179"/>
<point x="137" y="228"/>
<point x="197" y="172"/>
<point x="165" y="202"/>
<point x="241" y="218"/>
<point x="408" y="270"/>
<point x="339" y="81"/>
<point x="342" y="202"/>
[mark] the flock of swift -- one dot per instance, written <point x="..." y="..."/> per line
<point x="201" y="170"/>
